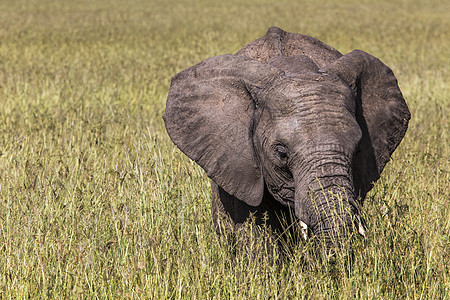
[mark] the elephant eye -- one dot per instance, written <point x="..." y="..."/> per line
<point x="281" y="152"/>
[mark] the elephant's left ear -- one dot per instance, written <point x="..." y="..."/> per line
<point x="381" y="112"/>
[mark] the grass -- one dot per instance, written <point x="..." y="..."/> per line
<point x="96" y="202"/>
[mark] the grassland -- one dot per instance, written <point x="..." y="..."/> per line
<point x="96" y="202"/>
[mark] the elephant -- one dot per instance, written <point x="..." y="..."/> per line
<point x="289" y="128"/>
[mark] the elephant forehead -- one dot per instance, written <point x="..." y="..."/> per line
<point x="313" y="93"/>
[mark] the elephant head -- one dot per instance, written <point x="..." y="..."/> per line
<point x="291" y="115"/>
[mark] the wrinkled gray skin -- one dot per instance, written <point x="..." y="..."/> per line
<point x="283" y="125"/>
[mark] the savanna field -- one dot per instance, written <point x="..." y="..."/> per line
<point x="97" y="202"/>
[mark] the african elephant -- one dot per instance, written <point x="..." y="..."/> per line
<point x="289" y="126"/>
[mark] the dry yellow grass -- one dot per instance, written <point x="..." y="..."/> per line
<point x="96" y="202"/>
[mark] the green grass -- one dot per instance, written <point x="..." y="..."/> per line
<point x="96" y="202"/>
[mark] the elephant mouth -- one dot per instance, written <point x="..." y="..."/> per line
<point x="338" y="215"/>
<point x="284" y="193"/>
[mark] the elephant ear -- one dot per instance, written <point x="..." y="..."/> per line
<point x="381" y="112"/>
<point x="209" y="115"/>
<point x="278" y="42"/>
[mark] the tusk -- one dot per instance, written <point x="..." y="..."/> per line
<point x="304" y="230"/>
<point x="361" y="229"/>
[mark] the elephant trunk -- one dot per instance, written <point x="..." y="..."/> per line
<point x="325" y="200"/>
<point x="331" y="220"/>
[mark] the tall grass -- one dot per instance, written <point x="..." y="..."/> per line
<point x="96" y="202"/>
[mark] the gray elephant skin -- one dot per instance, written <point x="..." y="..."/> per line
<point x="289" y="129"/>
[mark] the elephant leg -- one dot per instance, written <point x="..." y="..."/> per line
<point x="230" y="212"/>
<point x="231" y="221"/>
<point x="221" y="209"/>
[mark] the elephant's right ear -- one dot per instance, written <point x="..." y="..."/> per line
<point x="209" y="115"/>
